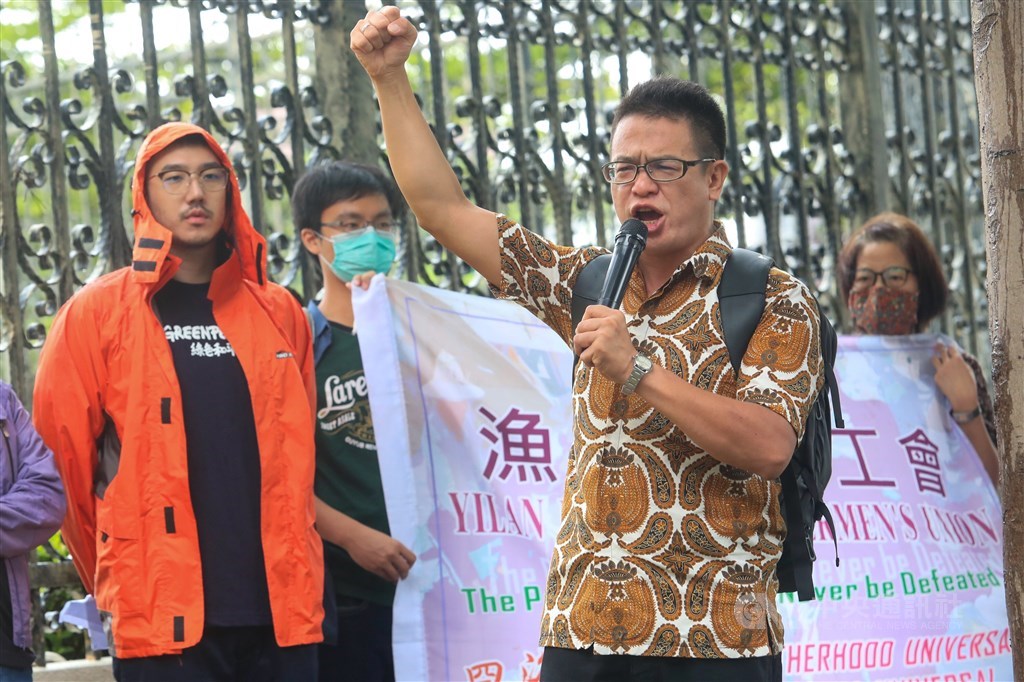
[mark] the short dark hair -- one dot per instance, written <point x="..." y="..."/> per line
<point x="924" y="261"/>
<point x="327" y="183"/>
<point x="674" y="98"/>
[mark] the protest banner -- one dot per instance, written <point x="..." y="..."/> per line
<point x="471" y="400"/>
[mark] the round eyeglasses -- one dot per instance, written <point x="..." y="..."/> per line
<point x="893" y="277"/>
<point x="659" y="170"/>
<point x="178" y="181"/>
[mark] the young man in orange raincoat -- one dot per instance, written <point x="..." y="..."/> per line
<point x="177" y="395"/>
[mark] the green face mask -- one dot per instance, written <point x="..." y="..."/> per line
<point x="359" y="252"/>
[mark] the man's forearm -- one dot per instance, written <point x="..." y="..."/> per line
<point x="382" y="42"/>
<point x="740" y="434"/>
<point x="977" y="434"/>
<point x="334" y="526"/>
<point x="420" y="167"/>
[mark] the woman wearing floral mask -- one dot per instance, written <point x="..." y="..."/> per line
<point x="893" y="283"/>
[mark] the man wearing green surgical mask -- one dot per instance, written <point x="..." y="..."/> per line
<point x="347" y="215"/>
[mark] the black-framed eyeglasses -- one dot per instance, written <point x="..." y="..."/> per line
<point x="213" y="179"/>
<point x="894" y="277"/>
<point x="383" y="226"/>
<point x="659" y="170"/>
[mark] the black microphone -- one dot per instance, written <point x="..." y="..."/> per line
<point x="629" y="243"/>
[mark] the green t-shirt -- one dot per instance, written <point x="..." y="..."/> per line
<point x="347" y="471"/>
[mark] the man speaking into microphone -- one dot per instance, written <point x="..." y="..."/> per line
<point x="664" y="565"/>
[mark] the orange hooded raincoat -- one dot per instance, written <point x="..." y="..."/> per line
<point x="107" y="402"/>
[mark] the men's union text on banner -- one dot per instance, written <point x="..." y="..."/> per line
<point x="918" y="594"/>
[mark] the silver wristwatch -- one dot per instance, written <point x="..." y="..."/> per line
<point x="641" y="366"/>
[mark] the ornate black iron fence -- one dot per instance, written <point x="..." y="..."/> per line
<point x="835" y="110"/>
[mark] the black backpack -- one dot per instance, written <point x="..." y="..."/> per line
<point x="741" y="295"/>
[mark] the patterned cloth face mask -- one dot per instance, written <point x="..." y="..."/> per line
<point x="883" y="311"/>
<point x="359" y="252"/>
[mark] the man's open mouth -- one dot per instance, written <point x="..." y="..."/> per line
<point x="647" y="215"/>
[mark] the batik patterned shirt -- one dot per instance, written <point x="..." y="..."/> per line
<point x="664" y="550"/>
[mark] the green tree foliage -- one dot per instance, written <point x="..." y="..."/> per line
<point x="20" y="21"/>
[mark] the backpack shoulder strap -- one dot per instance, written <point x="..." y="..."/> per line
<point x="589" y="283"/>
<point x="741" y="298"/>
<point x="587" y="290"/>
<point x="829" y="344"/>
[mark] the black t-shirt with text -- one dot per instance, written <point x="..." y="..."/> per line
<point x="223" y="457"/>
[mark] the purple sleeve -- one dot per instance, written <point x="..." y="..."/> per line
<point x="32" y="508"/>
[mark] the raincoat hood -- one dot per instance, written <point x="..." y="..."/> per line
<point x="151" y="253"/>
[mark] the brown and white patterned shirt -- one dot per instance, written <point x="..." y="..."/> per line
<point x="663" y="550"/>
